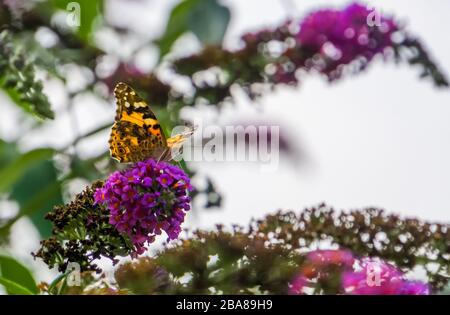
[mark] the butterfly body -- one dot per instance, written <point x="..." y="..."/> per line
<point x="136" y="134"/>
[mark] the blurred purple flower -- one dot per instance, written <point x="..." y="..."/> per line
<point x="259" y="134"/>
<point x="380" y="278"/>
<point x="146" y="199"/>
<point x="296" y="286"/>
<point x="319" y="264"/>
<point x="414" y="288"/>
<point x="341" y="36"/>
<point x="357" y="276"/>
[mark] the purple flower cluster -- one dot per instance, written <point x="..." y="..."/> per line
<point x="146" y="199"/>
<point x="319" y="264"/>
<point x="340" y="36"/>
<point x="376" y="277"/>
<point x="357" y="276"/>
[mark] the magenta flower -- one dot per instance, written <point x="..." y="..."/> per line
<point x="349" y="275"/>
<point x="414" y="288"/>
<point x="298" y="284"/>
<point x="318" y="265"/>
<point x="377" y="277"/>
<point x="339" y="37"/>
<point x="165" y="180"/>
<point x="146" y="199"/>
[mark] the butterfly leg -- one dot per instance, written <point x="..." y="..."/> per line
<point x="179" y="152"/>
<point x="163" y="155"/>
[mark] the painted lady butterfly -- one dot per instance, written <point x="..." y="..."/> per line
<point x="136" y="134"/>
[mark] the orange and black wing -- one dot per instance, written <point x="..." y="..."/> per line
<point x="136" y="134"/>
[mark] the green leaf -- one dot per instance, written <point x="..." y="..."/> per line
<point x="18" y="167"/>
<point x="207" y="19"/>
<point x="18" y="80"/>
<point x="8" y="152"/>
<point x="40" y="108"/>
<point x="209" y="22"/>
<point x="15" y="277"/>
<point x="37" y="192"/>
<point x="14" y="288"/>
<point x="53" y="288"/>
<point x="31" y="180"/>
<point x="90" y="14"/>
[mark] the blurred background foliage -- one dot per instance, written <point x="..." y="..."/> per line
<point x="266" y="255"/>
<point x="37" y="179"/>
<point x="37" y="45"/>
<point x="33" y="178"/>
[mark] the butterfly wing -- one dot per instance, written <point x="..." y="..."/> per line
<point x="136" y="134"/>
<point x="175" y="143"/>
<point x="178" y="140"/>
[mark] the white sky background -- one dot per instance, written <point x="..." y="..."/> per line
<point x="378" y="139"/>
